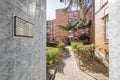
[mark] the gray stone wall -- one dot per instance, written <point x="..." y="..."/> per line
<point x="22" y="58"/>
<point x="114" y="31"/>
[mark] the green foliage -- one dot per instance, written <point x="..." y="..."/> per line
<point x="85" y="5"/>
<point x="61" y="46"/>
<point x="67" y="27"/>
<point x="76" y="44"/>
<point x="79" y="3"/>
<point x="81" y="23"/>
<point x="52" y="54"/>
<point x="55" y="44"/>
<point x="74" y="27"/>
<point x="85" y="53"/>
<point x="52" y="44"/>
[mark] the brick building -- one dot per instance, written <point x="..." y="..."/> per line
<point x="51" y="30"/>
<point x="63" y="18"/>
<point x="101" y="27"/>
<point x="90" y="22"/>
<point x="89" y="25"/>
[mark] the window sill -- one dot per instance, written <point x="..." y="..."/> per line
<point x="106" y="42"/>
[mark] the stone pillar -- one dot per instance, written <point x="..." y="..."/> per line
<point x="22" y="58"/>
<point x="114" y="39"/>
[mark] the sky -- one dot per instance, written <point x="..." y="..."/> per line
<point x="52" y="5"/>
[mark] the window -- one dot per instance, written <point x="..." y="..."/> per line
<point x="75" y="15"/>
<point x="102" y="2"/>
<point x="106" y="29"/>
<point x="48" y="30"/>
<point x="49" y="23"/>
<point x="70" y="20"/>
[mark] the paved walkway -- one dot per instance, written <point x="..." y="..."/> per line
<point x="68" y="69"/>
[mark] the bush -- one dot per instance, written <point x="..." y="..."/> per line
<point x="80" y="46"/>
<point x="54" y="50"/>
<point x="61" y="46"/>
<point x="52" y="44"/>
<point x="76" y="44"/>
<point x="52" y="54"/>
<point x="85" y="53"/>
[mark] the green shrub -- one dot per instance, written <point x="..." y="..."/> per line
<point x="76" y="44"/>
<point x="52" y="54"/>
<point x="54" y="51"/>
<point x="61" y="46"/>
<point x="85" y="53"/>
<point x="52" y="44"/>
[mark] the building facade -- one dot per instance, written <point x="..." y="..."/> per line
<point x="89" y="28"/>
<point x="91" y="23"/>
<point x="62" y="18"/>
<point x="22" y="40"/>
<point x="51" y="30"/>
<point x="101" y="28"/>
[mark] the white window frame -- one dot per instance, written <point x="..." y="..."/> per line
<point x="106" y="29"/>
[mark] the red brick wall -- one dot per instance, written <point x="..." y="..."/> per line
<point x="61" y="19"/>
<point x="51" y="31"/>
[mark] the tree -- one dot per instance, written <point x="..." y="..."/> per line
<point x="84" y="5"/>
<point x="74" y="27"/>
<point x="67" y="27"/>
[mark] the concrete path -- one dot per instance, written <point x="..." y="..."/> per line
<point x="68" y="69"/>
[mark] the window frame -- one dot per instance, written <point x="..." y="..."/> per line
<point x="106" y="28"/>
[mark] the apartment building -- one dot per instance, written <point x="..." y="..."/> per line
<point x="101" y="27"/>
<point x="89" y="28"/>
<point x="61" y="19"/>
<point x="51" y="30"/>
<point x="90" y="22"/>
<point x="70" y="17"/>
<point x="54" y="33"/>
